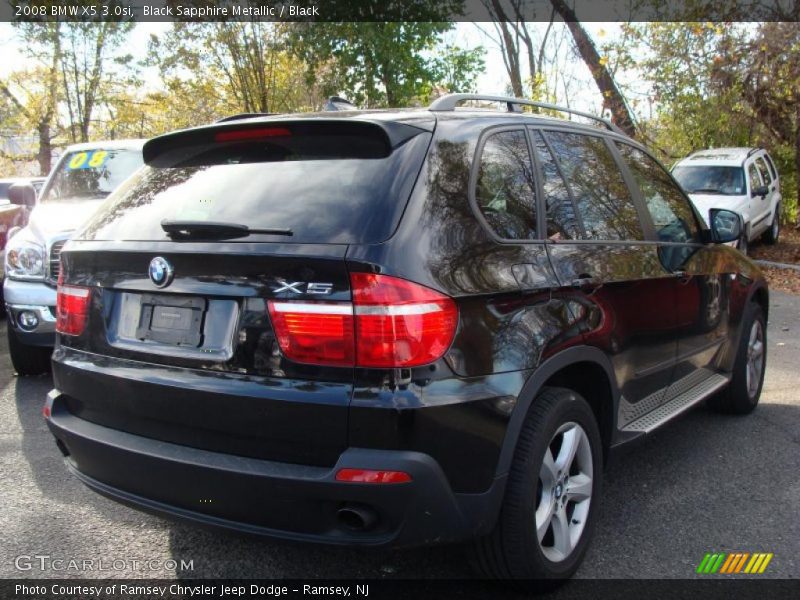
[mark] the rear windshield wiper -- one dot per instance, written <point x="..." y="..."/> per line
<point x="215" y="230"/>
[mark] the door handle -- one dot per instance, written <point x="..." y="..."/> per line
<point x="584" y="280"/>
<point x="682" y="275"/>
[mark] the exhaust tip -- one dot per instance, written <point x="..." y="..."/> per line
<point x="356" y="518"/>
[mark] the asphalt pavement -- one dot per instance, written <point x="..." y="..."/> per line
<point x="703" y="483"/>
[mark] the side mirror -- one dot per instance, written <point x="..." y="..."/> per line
<point x="760" y="190"/>
<point x="726" y="225"/>
<point x="22" y="194"/>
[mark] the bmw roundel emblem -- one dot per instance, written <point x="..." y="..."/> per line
<point x="160" y="272"/>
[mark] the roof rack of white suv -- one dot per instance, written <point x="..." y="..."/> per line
<point x="450" y="101"/>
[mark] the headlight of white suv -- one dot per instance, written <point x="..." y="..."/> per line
<point x="25" y="259"/>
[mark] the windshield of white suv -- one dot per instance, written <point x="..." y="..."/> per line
<point x="91" y="174"/>
<point x="728" y="181"/>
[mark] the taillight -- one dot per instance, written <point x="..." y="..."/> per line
<point x="391" y="323"/>
<point x="72" y="309"/>
<point x="316" y="333"/>
<point x="400" y="323"/>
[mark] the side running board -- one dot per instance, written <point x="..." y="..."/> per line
<point x="683" y="401"/>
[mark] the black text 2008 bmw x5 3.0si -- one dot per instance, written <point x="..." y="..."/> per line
<point x="395" y="328"/>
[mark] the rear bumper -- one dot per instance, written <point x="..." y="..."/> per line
<point x="280" y="500"/>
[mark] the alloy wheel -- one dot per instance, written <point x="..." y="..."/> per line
<point x="564" y="492"/>
<point x="755" y="358"/>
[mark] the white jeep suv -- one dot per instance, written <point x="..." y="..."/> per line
<point x="744" y="180"/>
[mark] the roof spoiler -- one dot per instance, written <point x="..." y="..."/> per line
<point x="245" y="115"/>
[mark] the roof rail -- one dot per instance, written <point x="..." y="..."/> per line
<point x="336" y="103"/>
<point x="244" y="116"/>
<point x="753" y="151"/>
<point x="450" y="101"/>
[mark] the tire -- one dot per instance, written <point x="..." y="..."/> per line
<point x="773" y="233"/>
<point x="27" y="360"/>
<point x="513" y="550"/>
<point x="744" y="243"/>
<point x="741" y="395"/>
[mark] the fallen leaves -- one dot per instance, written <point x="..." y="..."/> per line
<point x="787" y="250"/>
<point x="785" y="280"/>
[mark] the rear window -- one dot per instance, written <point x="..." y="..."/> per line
<point x="91" y="174"/>
<point x="337" y="183"/>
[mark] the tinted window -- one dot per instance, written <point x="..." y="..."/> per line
<point x="762" y="168"/>
<point x="327" y="185"/>
<point x="771" y="166"/>
<point x="603" y="200"/>
<point x="562" y="222"/>
<point x="4" y="190"/>
<point x="91" y="174"/>
<point x="728" y="181"/>
<point x="505" y="188"/>
<point x="752" y="175"/>
<point x="672" y="216"/>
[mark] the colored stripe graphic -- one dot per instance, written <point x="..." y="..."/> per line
<point x="741" y="562"/>
<point x="764" y="564"/>
<point x="734" y="562"/>
<point x="701" y="568"/>
<point x="728" y="565"/>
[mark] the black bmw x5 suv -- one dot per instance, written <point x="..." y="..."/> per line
<point x="395" y="327"/>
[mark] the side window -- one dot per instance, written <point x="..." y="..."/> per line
<point x="762" y="168"/>
<point x="771" y="166"/>
<point x="505" y="189"/>
<point x="672" y="215"/>
<point x="752" y="175"/>
<point x="595" y="182"/>
<point x="562" y="222"/>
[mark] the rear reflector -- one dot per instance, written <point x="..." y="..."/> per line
<point x="370" y="476"/>
<point x="392" y="323"/>
<point x="251" y="134"/>
<point x="72" y="309"/>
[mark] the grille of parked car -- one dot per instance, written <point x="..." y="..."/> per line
<point x="54" y="262"/>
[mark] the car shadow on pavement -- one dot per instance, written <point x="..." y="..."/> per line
<point x="705" y="481"/>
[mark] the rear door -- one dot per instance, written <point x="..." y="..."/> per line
<point x="222" y="340"/>
<point x="759" y="206"/>
<point x="770" y="200"/>
<point x="604" y="263"/>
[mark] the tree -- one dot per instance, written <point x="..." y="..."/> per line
<point x="765" y="68"/>
<point x="89" y="49"/>
<point x="612" y="96"/>
<point x="514" y="34"/>
<point x="457" y="69"/>
<point x="377" y="64"/>
<point x="34" y="93"/>
<point x="231" y="67"/>
<point x="691" y="111"/>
